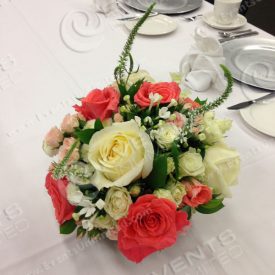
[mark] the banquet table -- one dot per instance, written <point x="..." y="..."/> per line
<point x="52" y="52"/>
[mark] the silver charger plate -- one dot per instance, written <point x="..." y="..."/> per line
<point x="165" y="6"/>
<point x="252" y="61"/>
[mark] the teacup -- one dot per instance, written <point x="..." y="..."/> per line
<point x="226" y="11"/>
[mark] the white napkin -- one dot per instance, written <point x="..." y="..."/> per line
<point x="200" y="68"/>
<point x="103" y="6"/>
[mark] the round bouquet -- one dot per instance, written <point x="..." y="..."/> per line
<point x="137" y="159"/>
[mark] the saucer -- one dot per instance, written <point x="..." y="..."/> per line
<point x="156" y="25"/>
<point x="210" y="20"/>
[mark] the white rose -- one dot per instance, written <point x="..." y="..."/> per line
<point x="74" y="195"/>
<point x="165" y="135"/>
<point x="177" y="190"/>
<point x="164" y="194"/>
<point x="222" y="167"/>
<point x="190" y="164"/>
<point x="214" y="129"/>
<point x="84" y="150"/>
<point x="117" y="202"/>
<point x="120" y="154"/>
<point x="104" y="222"/>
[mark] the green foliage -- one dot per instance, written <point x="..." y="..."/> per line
<point x="85" y="135"/>
<point x="175" y="154"/>
<point x="134" y="88"/>
<point x="80" y="233"/>
<point x="201" y="102"/>
<point x="125" y="56"/>
<point x="157" y="178"/>
<point x="212" y="105"/>
<point x="211" y="207"/>
<point x="59" y="169"/>
<point x="67" y="227"/>
<point x="93" y="233"/>
<point x="188" y="210"/>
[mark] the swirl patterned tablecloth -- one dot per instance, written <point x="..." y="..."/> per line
<point x="54" y="51"/>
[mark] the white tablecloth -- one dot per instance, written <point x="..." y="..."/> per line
<point x="54" y="51"/>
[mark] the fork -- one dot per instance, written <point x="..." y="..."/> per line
<point x="191" y="18"/>
<point x="129" y="15"/>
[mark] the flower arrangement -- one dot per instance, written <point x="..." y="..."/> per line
<point x="138" y="159"/>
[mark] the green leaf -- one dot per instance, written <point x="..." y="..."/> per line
<point x="175" y="154"/>
<point x="93" y="233"/>
<point x="98" y="125"/>
<point x="201" y="102"/>
<point x="157" y="178"/>
<point x="188" y="210"/>
<point x="82" y="123"/>
<point x="67" y="227"/>
<point x="122" y="89"/>
<point x="211" y="207"/>
<point x="134" y="88"/>
<point x="85" y="135"/>
<point x="80" y="233"/>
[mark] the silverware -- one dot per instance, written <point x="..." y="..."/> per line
<point x="227" y="34"/>
<point x="192" y="18"/>
<point x="240" y="35"/>
<point x="130" y="16"/>
<point x="250" y="102"/>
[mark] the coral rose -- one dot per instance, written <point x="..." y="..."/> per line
<point x="57" y="191"/>
<point x="151" y="225"/>
<point x="99" y="104"/>
<point x="196" y="193"/>
<point x="168" y="91"/>
<point x="190" y="104"/>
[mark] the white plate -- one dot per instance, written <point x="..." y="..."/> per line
<point x="252" y="61"/>
<point x="156" y="25"/>
<point x="165" y="6"/>
<point x="261" y="117"/>
<point x="210" y="20"/>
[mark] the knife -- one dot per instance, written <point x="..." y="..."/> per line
<point x="250" y="102"/>
<point x="238" y="36"/>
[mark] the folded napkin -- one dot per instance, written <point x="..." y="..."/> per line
<point x="200" y="68"/>
<point x="103" y="6"/>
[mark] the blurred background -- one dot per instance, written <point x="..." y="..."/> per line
<point x="260" y="13"/>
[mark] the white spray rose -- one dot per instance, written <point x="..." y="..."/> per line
<point x="165" y="135"/>
<point x="120" y="154"/>
<point x="214" y="129"/>
<point x="177" y="190"/>
<point x="222" y="167"/>
<point x="190" y="164"/>
<point x="164" y="194"/>
<point x="104" y="222"/>
<point x="117" y="202"/>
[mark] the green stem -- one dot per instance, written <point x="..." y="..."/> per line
<point x="60" y="167"/>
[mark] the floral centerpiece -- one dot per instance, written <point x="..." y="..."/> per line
<point x="138" y="159"/>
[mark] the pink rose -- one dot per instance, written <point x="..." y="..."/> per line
<point x="168" y="91"/>
<point x="69" y="123"/>
<point x="196" y="193"/>
<point x="118" y="117"/>
<point x="112" y="234"/>
<point x="99" y="104"/>
<point x="53" y="138"/>
<point x="179" y="121"/>
<point x="67" y="143"/>
<point x="151" y="225"/>
<point x="57" y="191"/>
